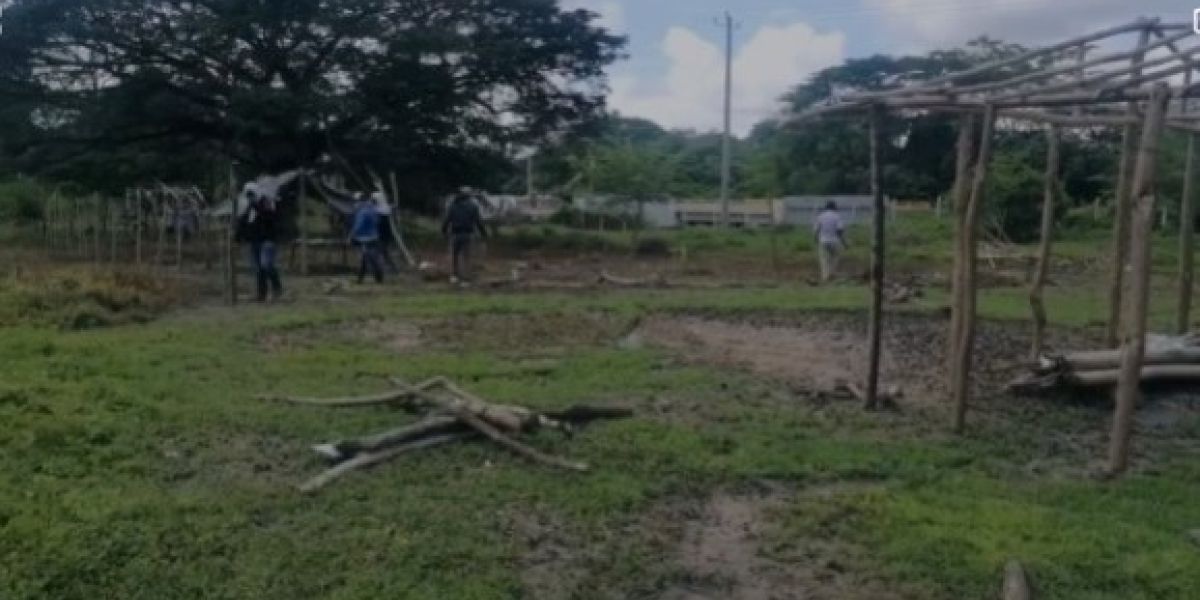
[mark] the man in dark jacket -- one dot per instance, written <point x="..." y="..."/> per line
<point x="364" y="233"/>
<point x="259" y="227"/>
<point x="463" y="219"/>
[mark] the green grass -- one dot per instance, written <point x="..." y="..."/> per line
<point x="136" y="464"/>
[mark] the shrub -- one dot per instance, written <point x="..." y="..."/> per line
<point x="21" y="201"/>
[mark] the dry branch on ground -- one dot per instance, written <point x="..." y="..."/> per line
<point x="452" y="414"/>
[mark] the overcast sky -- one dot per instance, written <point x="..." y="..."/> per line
<point x="675" y="70"/>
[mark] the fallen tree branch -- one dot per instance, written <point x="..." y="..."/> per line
<point x="348" y="449"/>
<point x="405" y="393"/>
<point x="478" y="424"/>
<point x="367" y="459"/>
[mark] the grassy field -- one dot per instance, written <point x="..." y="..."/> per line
<point x="135" y="461"/>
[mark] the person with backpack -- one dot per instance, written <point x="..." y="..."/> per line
<point x="364" y="233"/>
<point x="258" y="227"/>
<point x="463" y="220"/>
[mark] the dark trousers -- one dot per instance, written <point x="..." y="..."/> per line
<point x="460" y="255"/>
<point x="370" y="261"/>
<point x="262" y="257"/>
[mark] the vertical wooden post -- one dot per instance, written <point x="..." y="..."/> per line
<point x="113" y="218"/>
<point x="159" y="225"/>
<point x="303" y="222"/>
<point x="231" y="261"/>
<point x="1122" y="209"/>
<point x="176" y="218"/>
<point x="964" y="163"/>
<point x="1053" y="163"/>
<point x="1134" y="346"/>
<point x="967" y="298"/>
<point x="96" y="221"/>
<point x="1187" y="231"/>
<point x="875" y="326"/>
<point x="137" y="204"/>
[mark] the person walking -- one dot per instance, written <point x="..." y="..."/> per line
<point x="830" y="233"/>
<point x="259" y="227"/>
<point x="463" y="220"/>
<point x="364" y="233"/>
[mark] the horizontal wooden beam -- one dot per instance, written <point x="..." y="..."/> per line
<point x="935" y="85"/>
<point x="1108" y="76"/>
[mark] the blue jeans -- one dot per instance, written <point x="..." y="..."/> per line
<point x="370" y="261"/>
<point x="262" y="256"/>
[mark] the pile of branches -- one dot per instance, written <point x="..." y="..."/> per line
<point x="450" y="414"/>
<point x="1176" y="362"/>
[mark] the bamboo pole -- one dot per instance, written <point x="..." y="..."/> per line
<point x="1036" y="292"/>
<point x="159" y="222"/>
<point x="967" y="298"/>
<point x="1187" y="233"/>
<point x="962" y="188"/>
<point x="1135" y="332"/>
<point x="875" y="326"/>
<point x="1122" y="216"/>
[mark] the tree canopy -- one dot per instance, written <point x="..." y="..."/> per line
<point x="435" y="90"/>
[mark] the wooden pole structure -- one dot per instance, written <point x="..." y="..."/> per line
<point x="1036" y="303"/>
<point x="1187" y="232"/>
<point x="159" y="226"/>
<point x="303" y="222"/>
<point x="1134" y="346"/>
<point x="113" y="218"/>
<point x="137" y="226"/>
<point x="964" y="163"/>
<point x="177" y="222"/>
<point x="1122" y="208"/>
<point x="967" y="298"/>
<point x="231" y="239"/>
<point x="875" y="326"/>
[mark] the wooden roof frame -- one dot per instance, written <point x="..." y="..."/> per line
<point x="1072" y="95"/>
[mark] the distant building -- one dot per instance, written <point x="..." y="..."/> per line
<point x="796" y="211"/>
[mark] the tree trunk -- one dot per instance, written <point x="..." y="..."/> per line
<point x="962" y="188"/>
<point x="1135" y="326"/>
<point x="968" y="284"/>
<point x="1036" y="303"/>
<point x="1187" y="239"/>
<point x="875" y="333"/>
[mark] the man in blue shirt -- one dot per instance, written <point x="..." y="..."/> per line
<point x="364" y="233"/>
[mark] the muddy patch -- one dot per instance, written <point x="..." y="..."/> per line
<point x="818" y="351"/>
<point x="399" y="336"/>
<point x="536" y="334"/>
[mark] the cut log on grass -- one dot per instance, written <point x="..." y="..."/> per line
<point x="1111" y="359"/>
<point x="1016" y="583"/>
<point x="1034" y="383"/>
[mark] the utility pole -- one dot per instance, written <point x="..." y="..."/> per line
<point x="726" y="140"/>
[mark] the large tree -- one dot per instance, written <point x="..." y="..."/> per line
<point x="438" y="90"/>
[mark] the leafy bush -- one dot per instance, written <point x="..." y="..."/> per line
<point x="21" y="201"/>
<point x="1014" y="198"/>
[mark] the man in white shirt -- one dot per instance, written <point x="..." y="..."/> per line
<point x="829" y="231"/>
